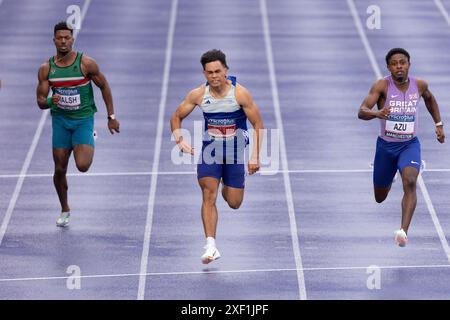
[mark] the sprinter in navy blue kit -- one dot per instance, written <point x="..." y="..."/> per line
<point x="226" y="106"/>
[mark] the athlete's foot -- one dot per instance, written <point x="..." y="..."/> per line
<point x="210" y="254"/>
<point x="401" y="239"/>
<point x="63" y="220"/>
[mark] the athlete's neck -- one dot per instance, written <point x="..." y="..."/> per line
<point x="220" y="91"/>
<point x="400" y="81"/>
<point x="63" y="58"/>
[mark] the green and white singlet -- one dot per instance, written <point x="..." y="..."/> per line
<point x="75" y="89"/>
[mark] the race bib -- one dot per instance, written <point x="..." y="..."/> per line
<point x="399" y="130"/>
<point x="70" y="99"/>
<point x="221" y="128"/>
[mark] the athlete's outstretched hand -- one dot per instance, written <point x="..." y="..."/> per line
<point x="253" y="165"/>
<point x="384" y="113"/>
<point x="113" y="125"/>
<point x="440" y="134"/>
<point x="184" y="146"/>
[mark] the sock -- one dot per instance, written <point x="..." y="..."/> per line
<point x="210" y="241"/>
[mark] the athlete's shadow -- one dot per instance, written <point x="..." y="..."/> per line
<point x="210" y="270"/>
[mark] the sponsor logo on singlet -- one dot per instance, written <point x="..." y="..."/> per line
<point x="221" y="128"/>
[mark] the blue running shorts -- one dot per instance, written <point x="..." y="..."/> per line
<point x="222" y="162"/>
<point x="393" y="156"/>
<point x="69" y="132"/>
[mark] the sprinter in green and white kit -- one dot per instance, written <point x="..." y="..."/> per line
<point x="69" y="75"/>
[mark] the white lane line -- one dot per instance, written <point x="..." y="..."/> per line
<point x="364" y="39"/>
<point x="175" y="173"/>
<point x="29" y="156"/>
<point x="102" y="174"/>
<point x="189" y="273"/>
<point x="442" y="9"/>
<point x="420" y="180"/>
<point x="434" y="217"/>
<point x="169" y="173"/>
<point x="156" y="152"/>
<point x="284" y="161"/>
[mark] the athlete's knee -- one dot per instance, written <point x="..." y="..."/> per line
<point x="209" y="196"/>
<point x="83" y="157"/>
<point x="83" y="166"/>
<point x="234" y="204"/>
<point x="409" y="182"/>
<point x="381" y="195"/>
<point x="60" y="170"/>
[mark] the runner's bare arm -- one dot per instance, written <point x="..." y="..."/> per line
<point x="251" y="110"/>
<point x="430" y="101"/>
<point x="433" y="108"/>
<point x="366" y="111"/>
<point x="192" y="99"/>
<point x="91" y="69"/>
<point x="43" y="86"/>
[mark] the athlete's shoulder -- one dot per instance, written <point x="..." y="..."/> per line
<point x="241" y="91"/>
<point x="89" y="66"/>
<point x="196" y="94"/>
<point x="242" y="94"/>
<point x="44" y="69"/>
<point x="421" y="84"/>
<point x="87" y="60"/>
<point x="45" y="65"/>
<point x="381" y="85"/>
<point x="383" y="81"/>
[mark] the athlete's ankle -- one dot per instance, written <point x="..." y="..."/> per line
<point x="210" y="241"/>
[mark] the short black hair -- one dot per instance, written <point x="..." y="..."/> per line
<point x="213" y="55"/>
<point x="62" y="25"/>
<point x="395" y="51"/>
